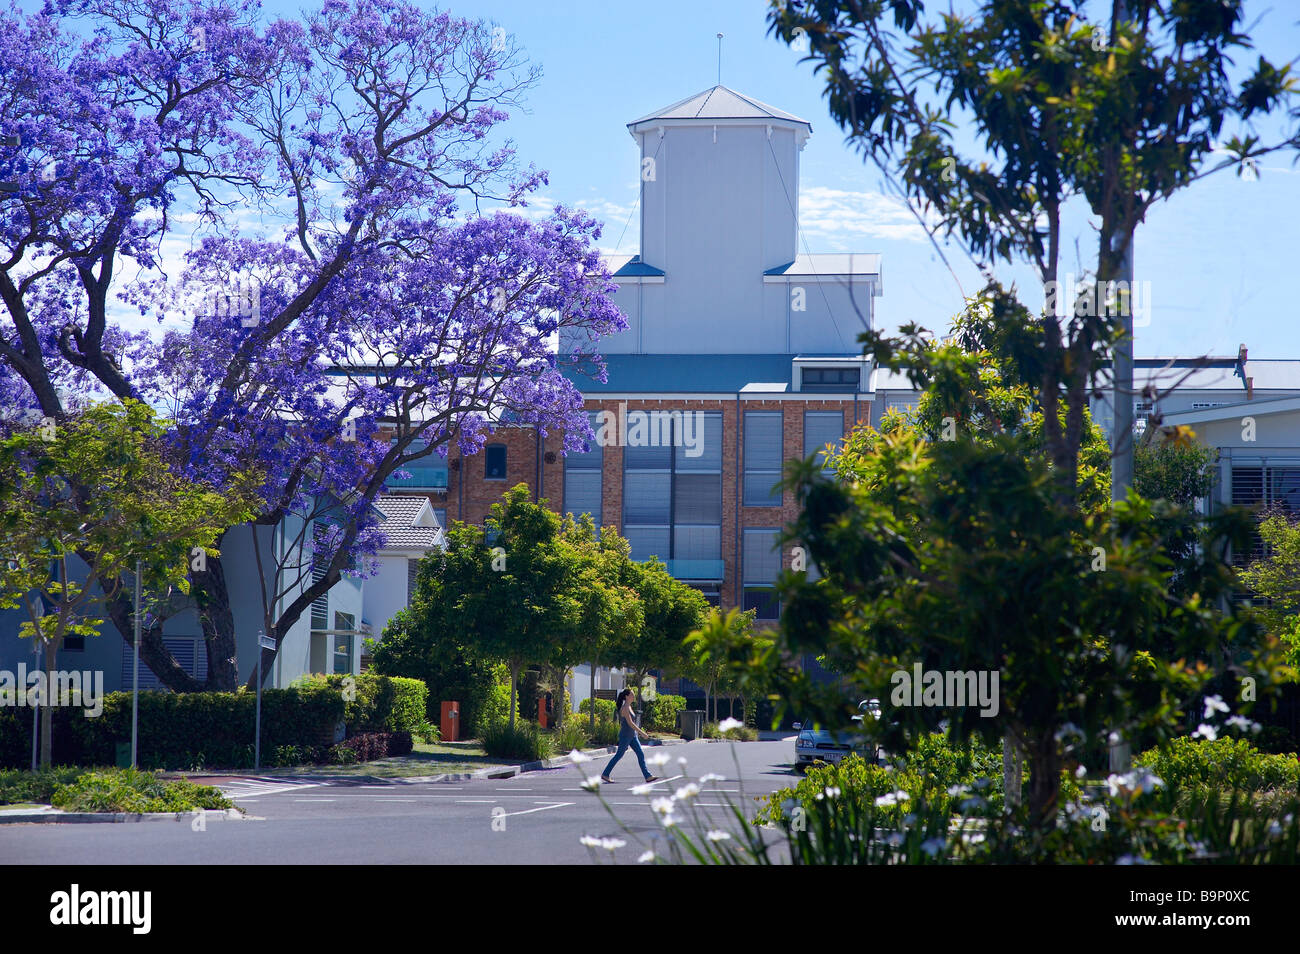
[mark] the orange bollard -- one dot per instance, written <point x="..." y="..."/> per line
<point x="450" y="722"/>
<point x="541" y="713"/>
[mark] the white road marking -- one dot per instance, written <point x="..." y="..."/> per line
<point x="529" y="811"/>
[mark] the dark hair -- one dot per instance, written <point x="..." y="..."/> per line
<point x="621" y="696"/>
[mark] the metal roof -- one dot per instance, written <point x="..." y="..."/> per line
<point x="628" y="266"/>
<point x="830" y="263"/>
<point x="719" y="103"/>
<point x="688" y="373"/>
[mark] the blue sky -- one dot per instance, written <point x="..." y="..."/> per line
<point x="1219" y="258"/>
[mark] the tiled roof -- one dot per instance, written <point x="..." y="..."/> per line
<point x="409" y="523"/>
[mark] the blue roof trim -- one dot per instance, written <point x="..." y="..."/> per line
<point x="635" y="268"/>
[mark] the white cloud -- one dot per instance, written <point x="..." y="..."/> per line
<point x="841" y="218"/>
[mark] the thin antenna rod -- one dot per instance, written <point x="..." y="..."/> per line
<point x="719" y="59"/>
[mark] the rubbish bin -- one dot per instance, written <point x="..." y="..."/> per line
<point x="690" y="723"/>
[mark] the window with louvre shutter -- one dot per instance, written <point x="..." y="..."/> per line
<point x="764" y="450"/>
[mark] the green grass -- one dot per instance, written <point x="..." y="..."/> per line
<point x="436" y="758"/>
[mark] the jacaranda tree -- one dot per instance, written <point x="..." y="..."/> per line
<point x="359" y="289"/>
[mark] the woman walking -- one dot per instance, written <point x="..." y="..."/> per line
<point x="628" y="731"/>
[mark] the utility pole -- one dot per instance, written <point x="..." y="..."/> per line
<point x="1121" y="455"/>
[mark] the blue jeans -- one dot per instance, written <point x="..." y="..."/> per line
<point x="627" y="738"/>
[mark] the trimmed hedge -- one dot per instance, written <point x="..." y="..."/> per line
<point x="215" y="729"/>
<point x="661" y="713"/>
<point x="380" y="703"/>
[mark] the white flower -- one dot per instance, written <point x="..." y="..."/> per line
<point x="689" y="790"/>
<point x="609" y="844"/>
<point x="894" y="839"/>
<point x="681" y="760"/>
<point x="591" y="783"/>
<point x="1080" y="772"/>
<point x="662" y="806"/>
<point x="669" y="820"/>
<point x="712" y="777"/>
<point x="717" y="835"/>
<point x="971" y="804"/>
<point x="1214" y="704"/>
<point x="892" y="798"/>
<point x="1135" y="782"/>
<point x="1114" y="738"/>
<point x="645" y="788"/>
<point x="957" y="790"/>
<point x="645" y="856"/>
<point x="1242" y="723"/>
<point x="726" y="725"/>
<point x="658" y="759"/>
<point x="1209" y="732"/>
<point x="577" y="758"/>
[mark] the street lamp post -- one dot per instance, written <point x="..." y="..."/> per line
<point x="263" y="642"/>
<point x="135" y="671"/>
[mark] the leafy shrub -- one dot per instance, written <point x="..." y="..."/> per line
<point x="17" y="785"/>
<point x="572" y="735"/>
<point x="711" y="730"/>
<point x="494" y="707"/>
<point x="951" y="779"/>
<point x="604" y="709"/>
<point x="369" y="746"/>
<point x="427" y="732"/>
<point x="129" y="790"/>
<point x="661" y="713"/>
<point x="1196" y="769"/>
<point x="525" y="742"/>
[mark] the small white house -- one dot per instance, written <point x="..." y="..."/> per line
<point x="413" y="528"/>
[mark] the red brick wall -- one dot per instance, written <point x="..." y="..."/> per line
<point x="469" y="494"/>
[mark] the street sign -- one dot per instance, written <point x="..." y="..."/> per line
<point x="266" y="642"/>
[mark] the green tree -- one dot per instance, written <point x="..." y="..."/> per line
<point x="670" y="609"/>
<point x="988" y="561"/>
<point x="530" y="589"/>
<point x="99" y="488"/>
<point x="1180" y="471"/>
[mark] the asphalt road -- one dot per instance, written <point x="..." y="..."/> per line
<point x="534" y="818"/>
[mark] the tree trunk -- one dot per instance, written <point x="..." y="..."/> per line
<point x="213" y="596"/>
<point x="47" y="706"/>
<point x="1044" y="780"/>
<point x="153" y="653"/>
